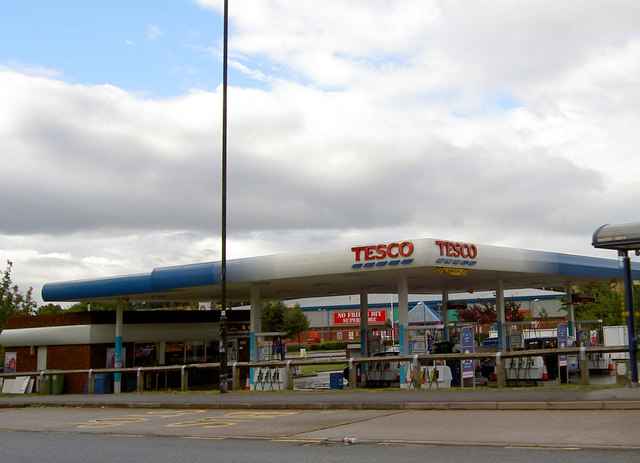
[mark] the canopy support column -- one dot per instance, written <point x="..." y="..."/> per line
<point x="570" y="312"/>
<point x="117" y="361"/>
<point x="445" y="315"/>
<point x="255" y="323"/>
<point x="364" y="330"/>
<point x="403" y="324"/>
<point x="502" y="338"/>
<point x="255" y="326"/>
<point x="631" y="323"/>
<point x="364" y="324"/>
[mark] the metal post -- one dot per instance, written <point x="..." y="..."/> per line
<point x="223" y="259"/>
<point x="328" y="327"/>
<point x="321" y="323"/>
<point x="631" y="322"/>
<point x="223" y="352"/>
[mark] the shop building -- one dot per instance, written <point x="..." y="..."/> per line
<point x="84" y="340"/>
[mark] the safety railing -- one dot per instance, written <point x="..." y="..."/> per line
<point x="415" y="361"/>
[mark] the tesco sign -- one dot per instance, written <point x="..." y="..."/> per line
<point x="383" y="251"/>
<point x="463" y="250"/>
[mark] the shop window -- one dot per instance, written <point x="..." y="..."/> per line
<point x="174" y="353"/>
<point x="145" y="354"/>
<point x="212" y="350"/>
<point x="195" y="351"/>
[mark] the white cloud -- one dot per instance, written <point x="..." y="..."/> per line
<point x="506" y="123"/>
<point x="155" y="32"/>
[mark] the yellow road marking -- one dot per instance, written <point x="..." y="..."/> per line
<point x="204" y="422"/>
<point x="203" y="437"/>
<point x="535" y="447"/>
<point x="258" y="415"/>
<point x="135" y="418"/>
<point x="108" y="422"/>
<point x="306" y="441"/>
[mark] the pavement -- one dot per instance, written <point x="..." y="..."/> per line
<point x="555" y="417"/>
<point x="566" y="397"/>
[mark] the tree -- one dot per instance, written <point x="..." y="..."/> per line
<point x="273" y="315"/>
<point x="12" y="301"/>
<point x="49" y="309"/>
<point x="608" y="306"/>
<point x="485" y="313"/>
<point x="482" y="314"/>
<point x="295" y="322"/>
<point x="97" y="307"/>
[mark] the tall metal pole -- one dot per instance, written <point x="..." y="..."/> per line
<point x="223" y="257"/>
<point x="328" y="327"/>
<point x="631" y="323"/>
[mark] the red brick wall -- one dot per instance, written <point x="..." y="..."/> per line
<point x="25" y="361"/>
<point x="70" y="358"/>
<point x="71" y="318"/>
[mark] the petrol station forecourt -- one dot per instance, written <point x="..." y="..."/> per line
<point x="403" y="267"/>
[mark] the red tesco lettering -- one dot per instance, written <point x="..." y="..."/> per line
<point x="464" y="250"/>
<point x="382" y="251"/>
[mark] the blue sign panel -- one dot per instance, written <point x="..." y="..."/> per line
<point x="562" y="343"/>
<point x="466" y="347"/>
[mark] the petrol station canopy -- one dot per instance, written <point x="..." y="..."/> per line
<point x="426" y="265"/>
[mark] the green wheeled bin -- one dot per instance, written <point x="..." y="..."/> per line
<point x="44" y="385"/>
<point x="57" y="384"/>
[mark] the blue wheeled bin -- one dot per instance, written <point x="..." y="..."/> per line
<point x="335" y="380"/>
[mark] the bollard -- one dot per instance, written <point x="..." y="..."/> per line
<point x="139" y="380"/>
<point x="501" y="380"/>
<point x="184" y="379"/>
<point x="352" y="374"/>
<point x="584" y="367"/>
<point x="288" y="376"/>
<point x="235" y="377"/>
<point x="91" y="380"/>
<point x="416" y="380"/>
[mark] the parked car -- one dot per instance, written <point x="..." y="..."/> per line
<point x="490" y="342"/>
<point x="445" y="347"/>
<point x="487" y="369"/>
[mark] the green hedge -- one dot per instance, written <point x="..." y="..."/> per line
<point x="329" y="345"/>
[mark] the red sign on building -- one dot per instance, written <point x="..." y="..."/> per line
<point x="352" y="317"/>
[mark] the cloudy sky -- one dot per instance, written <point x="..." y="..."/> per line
<point x="498" y="122"/>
